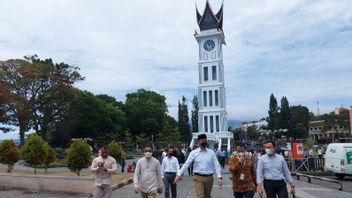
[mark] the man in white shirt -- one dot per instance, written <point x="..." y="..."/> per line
<point x="205" y="164"/>
<point x="104" y="167"/>
<point x="169" y="168"/>
<point x="147" y="176"/>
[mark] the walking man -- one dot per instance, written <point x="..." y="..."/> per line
<point x="223" y="156"/>
<point x="147" y="176"/>
<point x="243" y="173"/>
<point x="104" y="167"/>
<point x="205" y="164"/>
<point x="273" y="173"/>
<point x="169" y="168"/>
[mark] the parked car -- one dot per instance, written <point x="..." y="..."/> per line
<point x="338" y="159"/>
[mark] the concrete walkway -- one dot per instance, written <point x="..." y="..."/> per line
<point x="185" y="189"/>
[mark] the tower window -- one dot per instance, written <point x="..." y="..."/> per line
<point x="217" y="123"/>
<point x="213" y="73"/>
<point x="210" y="98"/>
<point x="204" y="98"/>
<point x="216" y="98"/>
<point x="211" y="124"/>
<point x="205" y="73"/>
<point x="206" y="123"/>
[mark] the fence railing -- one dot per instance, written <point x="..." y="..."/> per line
<point x="306" y="164"/>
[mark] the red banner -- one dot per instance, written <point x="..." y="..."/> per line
<point x="297" y="150"/>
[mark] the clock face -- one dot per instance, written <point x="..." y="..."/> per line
<point x="209" y="45"/>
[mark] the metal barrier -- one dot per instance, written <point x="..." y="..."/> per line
<point x="310" y="177"/>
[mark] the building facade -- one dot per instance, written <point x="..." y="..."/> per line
<point x="212" y="115"/>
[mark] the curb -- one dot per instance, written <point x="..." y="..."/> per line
<point x="122" y="184"/>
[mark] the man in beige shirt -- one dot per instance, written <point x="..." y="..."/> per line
<point x="104" y="167"/>
<point x="147" y="176"/>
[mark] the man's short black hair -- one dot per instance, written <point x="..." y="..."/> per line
<point x="241" y="144"/>
<point x="148" y="146"/>
<point x="103" y="147"/>
<point x="168" y="148"/>
<point x="272" y="142"/>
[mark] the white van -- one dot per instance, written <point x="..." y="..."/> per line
<point x="338" y="159"/>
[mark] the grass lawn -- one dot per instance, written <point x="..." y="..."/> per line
<point x="117" y="178"/>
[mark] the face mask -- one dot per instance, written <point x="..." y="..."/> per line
<point x="241" y="154"/>
<point x="170" y="154"/>
<point x="148" y="155"/>
<point x="268" y="151"/>
<point x="203" y="144"/>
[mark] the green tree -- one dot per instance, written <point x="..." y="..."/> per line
<point x="142" y="140"/>
<point x="95" y="118"/>
<point x="183" y="120"/>
<point x="252" y="132"/>
<point x="36" y="93"/>
<point x="336" y="122"/>
<point x="9" y="154"/>
<point x="145" y="112"/>
<point x="195" y="110"/>
<point x="115" y="151"/>
<point x="285" y="114"/>
<point x="34" y="151"/>
<point x="78" y="156"/>
<point x="50" y="156"/>
<point x="309" y="143"/>
<point x="300" y="119"/>
<point x="273" y="119"/>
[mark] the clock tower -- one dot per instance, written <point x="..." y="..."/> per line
<point x="212" y="116"/>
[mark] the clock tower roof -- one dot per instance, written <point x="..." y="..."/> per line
<point x="209" y="20"/>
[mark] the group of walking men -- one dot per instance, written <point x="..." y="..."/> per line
<point x="271" y="174"/>
<point x="151" y="178"/>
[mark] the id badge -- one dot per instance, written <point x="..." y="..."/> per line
<point x="242" y="176"/>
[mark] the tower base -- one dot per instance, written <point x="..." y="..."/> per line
<point x="216" y="140"/>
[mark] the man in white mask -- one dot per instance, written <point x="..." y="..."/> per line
<point x="273" y="174"/>
<point x="147" y="176"/>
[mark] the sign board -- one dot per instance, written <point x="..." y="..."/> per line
<point x="349" y="155"/>
<point x="289" y="146"/>
<point x="297" y="150"/>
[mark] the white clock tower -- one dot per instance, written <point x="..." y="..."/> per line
<point x="212" y="116"/>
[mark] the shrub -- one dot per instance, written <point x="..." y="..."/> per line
<point x="60" y="153"/>
<point x="50" y="156"/>
<point x="34" y="151"/>
<point x="115" y="151"/>
<point x="9" y="154"/>
<point x="78" y="156"/>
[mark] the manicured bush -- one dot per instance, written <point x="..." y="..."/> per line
<point x="9" y="154"/>
<point x="34" y="151"/>
<point x="78" y="156"/>
<point x="115" y="151"/>
<point x="50" y="156"/>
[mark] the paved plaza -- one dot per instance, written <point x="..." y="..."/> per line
<point x="185" y="189"/>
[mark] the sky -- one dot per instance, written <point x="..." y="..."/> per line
<point x="293" y="48"/>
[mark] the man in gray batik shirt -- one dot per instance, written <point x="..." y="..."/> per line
<point x="147" y="176"/>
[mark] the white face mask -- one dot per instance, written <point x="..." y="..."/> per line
<point x="148" y="155"/>
<point x="268" y="151"/>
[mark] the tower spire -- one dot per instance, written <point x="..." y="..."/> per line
<point x="209" y="20"/>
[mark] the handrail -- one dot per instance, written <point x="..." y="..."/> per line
<point x="310" y="177"/>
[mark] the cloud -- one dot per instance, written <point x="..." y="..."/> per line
<point x="293" y="48"/>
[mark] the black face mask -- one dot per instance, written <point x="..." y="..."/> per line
<point x="203" y="144"/>
<point x="170" y="154"/>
